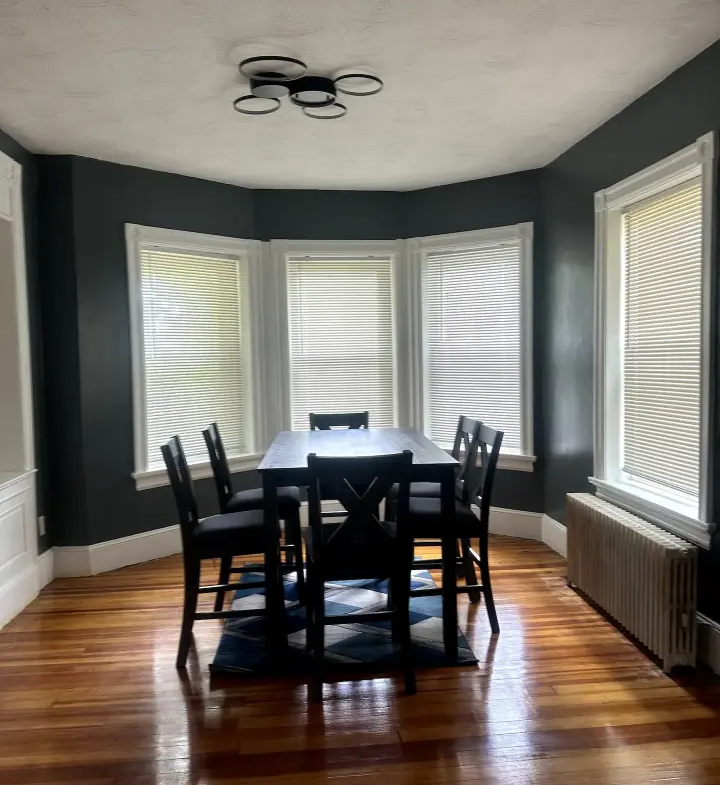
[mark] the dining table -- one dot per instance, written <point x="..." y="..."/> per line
<point x="285" y="463"/>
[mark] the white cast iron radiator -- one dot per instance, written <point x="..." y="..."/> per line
<point x="642" y="576"/>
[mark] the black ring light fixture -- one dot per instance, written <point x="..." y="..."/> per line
<point x="275" y="77"/>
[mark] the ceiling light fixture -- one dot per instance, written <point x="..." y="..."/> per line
<point x="275" y="77"/>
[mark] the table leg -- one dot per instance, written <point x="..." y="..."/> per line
<point x="449" y="572"/>
<point x="274" y="595"/>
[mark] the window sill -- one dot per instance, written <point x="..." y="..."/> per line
<point x="156" y="478"/>
<point x="517" y="463"/>
<point x="684" y="524"/>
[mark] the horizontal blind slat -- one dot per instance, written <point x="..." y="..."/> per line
<point x="661" y="335"/>
<point x="194" y="356"/>
<point x="471" y="301"/>
<point x="341" y="337"/>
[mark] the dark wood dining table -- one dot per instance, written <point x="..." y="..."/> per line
<point x="285" y="463"/>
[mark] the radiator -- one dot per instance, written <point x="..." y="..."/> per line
<point x="639" y="574"/>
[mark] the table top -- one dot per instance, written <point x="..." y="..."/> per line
<point x="290" y="448"/>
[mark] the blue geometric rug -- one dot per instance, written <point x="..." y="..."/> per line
<point x="360" y="646"/>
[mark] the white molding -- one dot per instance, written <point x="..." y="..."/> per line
<point x="137" y="237"/>
<point x="416" y="252"/>
<point x="496" y="234"/>
<point x="516" y="463"/>
<point x="157" y="478"/>
<point x="84" y="560"/>
<point x="671" y="171"/>
<point x="18" y="594"/>
<point x="685" y="526"/>
<point x="554" y="535"/>
<point x="709" y="642"/>
<point x="45" y="568"/>
<point x="317" y="249"/>
<point x="693" y="161"/>
<point x="516" y="523"/>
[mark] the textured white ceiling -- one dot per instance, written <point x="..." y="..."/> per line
<point x="474" y="88"/>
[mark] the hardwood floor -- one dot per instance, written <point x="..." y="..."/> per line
<point x="89" y="694"/>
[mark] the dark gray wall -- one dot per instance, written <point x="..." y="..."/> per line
<point x="326" y="215"/>
<point x="683" y="107"/>
<point x="28" y="161"/>
<point x="84" y="207"/>
<point x="97" y="444"/>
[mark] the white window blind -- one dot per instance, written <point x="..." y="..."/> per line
<point x="340" y="315"/>
<point x="473" y="353"/>
<point x="661" y="366"/>
<point x="194" y="341"/>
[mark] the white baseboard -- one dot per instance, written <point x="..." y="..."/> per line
<point x="516" y="523"/>
<point x="554" y="535"/>
<point x="78" y="561"/>
<point x="46" y="568"/>
<point x="18" y="593"/>
<point x="709" y="642"/>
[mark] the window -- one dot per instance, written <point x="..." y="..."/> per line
<point x="191" y="349"/>
<point x="653" y="243"/>
<point x="341" y="348"/>
<point x="476" y="328"/>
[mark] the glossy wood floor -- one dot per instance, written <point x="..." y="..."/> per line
<point x="89" y="694"/>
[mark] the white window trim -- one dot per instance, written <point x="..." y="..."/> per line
<point x="688" y="163"/>
<point x="417" y="248"/>
<point x="135" y="237"/>
<point x="279" y="251"/>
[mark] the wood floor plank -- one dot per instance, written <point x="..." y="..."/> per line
<point x="89" y="694"/>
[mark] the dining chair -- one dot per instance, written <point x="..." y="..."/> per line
<point x="462" y="445"/>
<point x="475" y="489"/>
<point x="351" y="420"/>
<point x="361" y="546"/>
<point x="288" y="511"/>
<point x="219" y="536"/>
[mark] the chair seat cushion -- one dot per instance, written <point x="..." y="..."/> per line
<point x="288" y="501"/>
<point x="423" y="490"/>
<point x="231" y="534"/>
<point x="360" y="554"/>
<point x="426" y="519"/>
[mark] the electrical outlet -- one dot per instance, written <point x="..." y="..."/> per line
<point x="42" y="531"/>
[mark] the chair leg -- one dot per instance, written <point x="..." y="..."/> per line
<point x="318" y="643"/>
<point x="309" y="616"/>
<point x="487" y="586"/>
<point x="469" y="570"/>
<point x="294" y="533"/>
<point x="224" y="577"/>
<point x="192" y="586"/>
<point x="394" y="592"/>
<point x="401" y="630"/>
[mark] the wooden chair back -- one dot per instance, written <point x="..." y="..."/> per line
<point x="182" y="486"/>
<point x="465" y="446"/>
<point x="479" y="474"/>
<point x="219" y="464"/>
<point x="360" y="485"/>
<point x="351" y="420"/>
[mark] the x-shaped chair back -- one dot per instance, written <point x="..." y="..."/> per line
<point x="360" y="485"/>
<point x="219" y="464"/>
<point x="480" y="472"/>
<point x="181" y="483"/>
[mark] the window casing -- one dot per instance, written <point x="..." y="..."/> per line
<point x="653" y="305"/>
<point x="192" y="349"/>
<point x="378" y="360"/>
<point x="474" y="304"/>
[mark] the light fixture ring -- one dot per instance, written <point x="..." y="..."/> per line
<point x="313" y="91"/>
<point x="372" y="84"/>
<point x="333" y="111"/>
<point x="244" y="105"/>
<point x="283" y="68"/>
